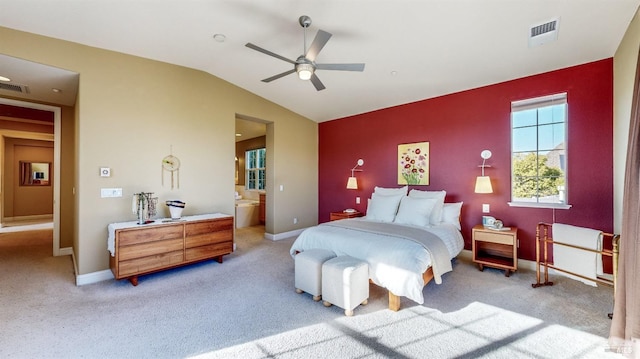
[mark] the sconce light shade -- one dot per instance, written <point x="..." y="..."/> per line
<point x="352" y="183"/>
<point x="483" y="185"/>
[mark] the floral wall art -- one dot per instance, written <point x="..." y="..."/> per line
<point x="413" y="163"/>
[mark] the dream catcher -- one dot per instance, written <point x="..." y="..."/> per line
<point x="171" y="164"/>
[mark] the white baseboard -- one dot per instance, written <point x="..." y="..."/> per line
<point x="279" y="236"/>
<point x="94" y="277"/>
<point x="68" y="251"/>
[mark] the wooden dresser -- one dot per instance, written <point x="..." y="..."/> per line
<point x="143" y="249"/>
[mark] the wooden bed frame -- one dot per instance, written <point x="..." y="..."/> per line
<point x="394" y="300"/>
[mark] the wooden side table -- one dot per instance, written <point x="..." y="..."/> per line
<point x="334" y="216"/>
<point x="493" y="248"/>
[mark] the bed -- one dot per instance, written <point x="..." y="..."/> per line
<point x="407" y="240"/>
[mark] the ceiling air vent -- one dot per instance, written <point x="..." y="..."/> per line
<point x="543" y="33"/>
<point x="14" y="88"/>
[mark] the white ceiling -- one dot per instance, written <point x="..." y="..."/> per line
<point x="434" y="47"/>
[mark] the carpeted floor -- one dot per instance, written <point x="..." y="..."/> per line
<point x="246" y="307"/>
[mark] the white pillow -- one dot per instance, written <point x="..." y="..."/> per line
<point x="391" y="191"/>
<point x="451" y="214"/>
<point x="415" y="211"/>
<point x="436" y="214"/>
<point x="382" y="208"/>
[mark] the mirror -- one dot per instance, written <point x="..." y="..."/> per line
<point x="34" y="173"/>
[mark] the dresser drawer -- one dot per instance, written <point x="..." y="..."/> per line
<point x="141" y="234"/>
<point x="196" y="228"/>
<point x="150" y="263"/>
<point x="209" y="238"/>
<point x="209" y="251"/>
<point x="494" y="237"/>
<point x="149" y="249"/>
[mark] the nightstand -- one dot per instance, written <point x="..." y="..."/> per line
<point x="334" y="216"/>
<point x="493" y="248"/>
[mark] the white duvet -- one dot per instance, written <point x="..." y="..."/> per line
<point x="395" y="263"/>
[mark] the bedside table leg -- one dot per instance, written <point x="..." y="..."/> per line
<point x="480" y="267"/>
<point x="507" y="273"/>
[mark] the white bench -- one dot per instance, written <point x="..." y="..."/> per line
<point x="308" y="271"/>
<point x="345" y="283"/>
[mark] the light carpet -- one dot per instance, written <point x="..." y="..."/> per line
<point x="246" y="307"/>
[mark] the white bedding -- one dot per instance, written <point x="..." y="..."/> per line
<point x="394" y="263"/>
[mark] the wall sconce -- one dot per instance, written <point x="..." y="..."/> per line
<point x="483" y="183"/>
<point x="352" y="183"/>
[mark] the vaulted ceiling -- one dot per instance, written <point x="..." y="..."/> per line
<point x="412" y="50"/>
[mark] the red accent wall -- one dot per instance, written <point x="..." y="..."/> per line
<point x="458" y="127"/>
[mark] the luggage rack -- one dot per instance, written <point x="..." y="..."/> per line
<point x="544" y="237"/>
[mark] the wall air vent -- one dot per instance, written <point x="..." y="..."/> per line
<point x="543" y="33"/>
<point x="15" y="88"/>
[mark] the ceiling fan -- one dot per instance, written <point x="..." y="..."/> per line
<point x="305" y="65"/>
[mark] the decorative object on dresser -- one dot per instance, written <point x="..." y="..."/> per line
<point x="175" y="208"/>
<point x="495" y="248"/>
<point x="144" y="206"/>
<point x="136" y="250"/>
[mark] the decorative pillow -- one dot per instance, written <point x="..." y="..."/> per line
<point x="391" y="191"/>
<point x="451" y="214"/>
<point x="415" y="211"/>
<point x="436" y="214"/>
<point x="383" y="208"/>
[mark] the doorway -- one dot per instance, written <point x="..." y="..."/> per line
<point x="251" y="153"/>
<point x="55" y="172"/>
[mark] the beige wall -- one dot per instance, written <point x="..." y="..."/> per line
<point x="131" y="112"/>
<point x="624" y="73"/>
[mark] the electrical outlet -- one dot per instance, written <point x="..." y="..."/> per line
<point x="485" y="208"/>
<point x="295" y="220"/>
<point x="357" y="200"/>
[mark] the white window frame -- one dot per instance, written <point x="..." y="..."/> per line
<point x="539" y="103"/>
<point x="259" y="169"/>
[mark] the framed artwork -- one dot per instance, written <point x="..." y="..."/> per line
<point x="413" y="163"/>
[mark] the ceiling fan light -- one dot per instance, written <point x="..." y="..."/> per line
<point x="304" y="71"/>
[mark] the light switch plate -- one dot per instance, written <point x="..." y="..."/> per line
<point x="110" y="192"/>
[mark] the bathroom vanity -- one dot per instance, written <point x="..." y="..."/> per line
<point x="142" y="249"/>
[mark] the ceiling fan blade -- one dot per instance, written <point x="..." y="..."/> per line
<point x="318" y="43"/>
<point x="341" y="67"/>
<point x="258" y="48"/>
<point x="275" y="77"/>
<point x="317" y="83"/>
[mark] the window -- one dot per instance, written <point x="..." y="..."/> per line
<point x="256" y="161"/>
<point x="538" y="151"/>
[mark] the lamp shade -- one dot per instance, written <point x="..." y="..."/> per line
<point x="352" y="183"/>
<point x="483" y="185"/>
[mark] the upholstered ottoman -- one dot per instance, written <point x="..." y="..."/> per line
<point x="308" y="271"/>
<point x="345" y="283"/>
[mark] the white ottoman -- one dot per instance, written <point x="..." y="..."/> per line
<point x="308" y="271"/>
<point x="345" y="283"/>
